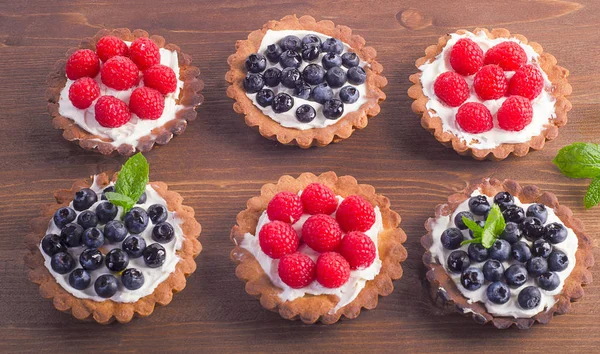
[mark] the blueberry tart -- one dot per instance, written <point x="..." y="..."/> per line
<point x="506" y="254"/>
<point x="306" y="83"/>
<point x="136" y="255"/>
<point x="317" y="248"/>
<point x="489" y="94"/>
<point x="120" y="92"/>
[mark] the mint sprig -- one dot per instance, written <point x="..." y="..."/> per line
<point x="131" y="182"/>
<point x="489" y="233"/>
<point x="582" y="160"/>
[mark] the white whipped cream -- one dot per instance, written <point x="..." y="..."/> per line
<point x="346" y="293"/>
<point x="543" y="105"/>
<point x="511" y="308"/>
<point x="288" y="119"/>
<point x="152" y="276"/>
<point x="130" y="132"/>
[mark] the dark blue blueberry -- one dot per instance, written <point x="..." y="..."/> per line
<point x="302" y="90"/>
<point x="558" y="261"/>
<point x="272" y="77"/>
<point x="472" y="278"/>
<point x="273" y="52"/>
<point x="62" y="263"/>
<point x="511" y="232"/>
<point x="64" y="216"/>
<point x="71" y="234"/>
<point x="253" y="82"/>
<point x="529" y="298"/>
<point x="163" y="232"/>
<point x="80" y="279"/>
<point x="504" y="199"/>
<point x="514" y="214"/>
<point x="311" y="39"/>
<point x="357" y="75"/>
<point x="516" y="275"/>
<point x="115" y="231"/>
<point x="305" y="113"/>
<point x="537" y="266"/>
<point x="333" y="109"/>
<point x="479" y="205"/>
<point x="500" y="250"/>
<point x="538" y="211"/>
<point x="157" y="213"/>
<point x="84" y="199"/>
<point x="106" y="285"/>
<point x="322" y="93"/>
<point x="532" y="228"/>
<point x="93" y="237"/>
<point x="555" y="232"/>
<point x="493" y="270"/>
<point x="541" y="248"/>
<point x="314" y="74"/>
<point x="290" y="43"/>
<point x="290" y="76"/>
<point x="265" y="97"/>
<point x="498" y="293"/>
<point x="53" y="244"/>
<point x="458" y="219"/>
<point x="477" y="252"/>
<point x="132" y="279"/>
<point x="290" y="59"/>
<point x="331" y="60"/>
<point x="451" y="238"/>
<point x="332" y="45"/>
<point x="142" y="199"/>
<point x="106" y="211"/>
<point x="350" y="59"/>
<point x="521" y="251"/>
<point x="458" y="261"/>
<point x="116" y="260"/>
<point x="154" y="255"/>
<point x="282" y="102"/>
<point x="336" y="77"/>
<point x="87" y="219"/>
<point x="91" y="259"/>
<point x="107" y="189"/>
<point x="310" y="52"/>
<point x="134" y="245"/>
<point x="548" y="281"/>
<point x="349" y="94"/>
<point x="136" y="220"/>
<point x="256" y="63"/>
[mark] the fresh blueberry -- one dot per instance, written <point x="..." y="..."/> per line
<point x="322" y="93"/>
<point x="311" y="39"/>
<point x="154" y="255"/>
<point x="273" y="52"/>
<point x="64" y="216"/>
<point x="71" y="234"/>
<point x="350" y="59"/>
<point x="116" y="260"/>
<point x="504" y="199"/>
<point x="451" y="238"/>
<point x="84" y="199"/>
<point x="357" y="75"/>
<point x="477" y="252"/>
<point x="93" y="237"/>
<point x="529" y="298"/>
<point x="256" y="63"/>
<point x="107" y="189"/>
<point x="458" y="261"/>
<point x="253" y="82"/>
<point x="290" y="59"/>
<point x="264" y="97"/>
<point x="472" y="278"/>
<point x="282" y="102"/>
<point x="290" y="76"/>
<point x="136" y="220"/>
<point x="142" y="198"/>
<point x="272" y="77"/>
<point x="314" y="74"/>
<point x="332" y="45"/>
<point x="87" y="219"/>
<point x="305" y="113"/>
<point x="548" y="281"/>
<point x="157" y="213"/>
<point x="331" y="60"/>
<point x="458" y="219"/>
<point x="479" y="205"/>
<point x="537" y="266"/>
<point x="106" y="211"/>
<point x="91" y="259"/>
<point x="106" y="285"/>
<point x="163" y="232"/>
<point x="80" y="279"/>
<point x="134" y="245"/>
<point x="132" y="279"/>
<point x="493" y="270"/>
<point x="538" y="211"/>
<point x="336" y="77"/>
<point x="555" y="232"/>
<point x="62" y="262"/>
<point x="53" y="244"/>
<point x="516" y="275"/>
<point x="349" y="94"/>
<point x="532" y="228"/>
<point x="514" y="214"/>
<point x="558" y="261"/>
<point x="115" y="231"/>
<point x="302" y="90"/>
<point x="500" y="250"/>
<point x="520" y="251"/>
<point x="498" y="293"/>
<point x="541" y="248"/>
<point x="333" y="109"/>
<point x="511" y="232"/>
<point x="290" y="43"/>
<point x="310" y="52"/>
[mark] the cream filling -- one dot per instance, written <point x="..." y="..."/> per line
<point x="543" y="105"/>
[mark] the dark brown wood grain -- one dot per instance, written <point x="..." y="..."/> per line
<point x="218" y="163"/>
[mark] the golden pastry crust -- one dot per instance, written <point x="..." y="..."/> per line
<point x="560" y="89"/>
<point x="271" y="129"/>
<point x="311" y="309"/>
<point x="189" y="97"/>
<point x="107" y="311"/>
<point x="452" y="298"/>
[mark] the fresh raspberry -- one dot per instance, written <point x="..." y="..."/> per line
<point x="82" y="63"/>
<point x="277" y="239"/>
<point x="161" y="78"/>
<point x="110" y="46"/>
<point x="509" y="55"/>
<point x="474" y="118"/>
<point x="286" y="207"/>
<point x="490" y="83"/>
<point x="358" y="249"/>
<point x="297" y="270"/>
<point x="146" y="103"/>
<point x="451" y="88"/>
<point x="333" y="270"/>
<point x="321" y="233"/>
<point x="527" y="82"/>
<point x="83" y="92"/>
<point x="144" y="53"/>
<point x="119" y="73"/>
<point x="355" y="214"/>
<point x="466" y="57"/>
<point x="111" y="112"/>
<point x="317" y="198"/>
<point x="515" y="113"/>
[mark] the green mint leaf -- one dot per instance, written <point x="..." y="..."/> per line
<point x="121" y="200"/>
<point x="494" y="225"/>
<point x="133" y="177"/>
<point x="473" y="240"/>
<point x="592" y="197"/>
<point x="579" y="160"/>
<point x="473" y="226"/>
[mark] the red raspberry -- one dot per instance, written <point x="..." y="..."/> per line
<point x="321" y="233"/>
<point x="83" y="92"/>
<point x="144" y="53"/>
<point x="147" y="103"/>
<point x="466" y="57"/>
<point x="277" y="239"/>
<point x="286" y="207"/>
<point x="297" y="270"/>
<point x="161" y="78"/>
<point x="451" y="88"/>
<point x="527" y="82"/>
<point x="110" y="46"/>
<point x="474" y="118"/>
<point x="82" y="63"/>
<point x="333" y="270"/>
<point x="119" y="73"/>
<point x="509" y="55"/>
<point x="515" y="114"/>
<point x="490" y="83"/>
<point x="358" y="249"/>
<point x="317" y="198"/>
<point x="355" y="214"/>
<point x="111" y="112"/>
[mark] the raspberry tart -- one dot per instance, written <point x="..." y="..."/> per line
<point x="506" y="254"/>
<point x="122" y="92"/>
<point x="490" y="94"/>
<point x="306" y="83"/>
<point x="317" y="248"/>
<point x="99" y="253"/>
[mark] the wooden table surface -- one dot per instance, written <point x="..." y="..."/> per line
<point x="218" y="163"/>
